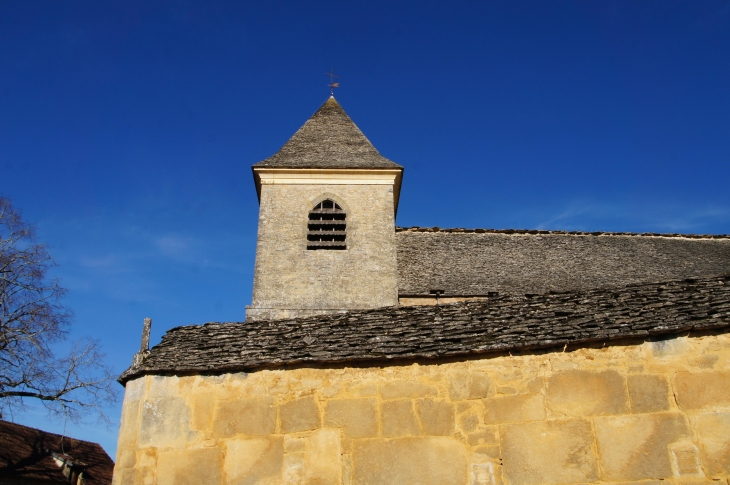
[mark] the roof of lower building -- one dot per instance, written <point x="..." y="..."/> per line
<point x="497" y="324"/>
<point x="27" y="456"/>
<point x="480" y="262"/>
<point x="329" y="139"/>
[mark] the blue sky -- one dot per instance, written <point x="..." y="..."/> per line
<point x="128" y="128"/>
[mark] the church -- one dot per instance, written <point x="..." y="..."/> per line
<point x="375" y="354"/>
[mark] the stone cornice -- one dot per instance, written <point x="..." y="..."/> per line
<point x="329" y="176"/>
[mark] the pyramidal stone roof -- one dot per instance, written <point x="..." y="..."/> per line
<point x="329" y="139"/>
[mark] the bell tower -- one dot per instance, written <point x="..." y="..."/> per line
<point x="326" y="234"/>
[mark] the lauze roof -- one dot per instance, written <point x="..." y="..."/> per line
<point x="329" y="139"/>
<point x="477" y="262"/>
<point x="497" y="324"/>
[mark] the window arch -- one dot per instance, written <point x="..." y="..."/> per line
<point x="327" y="226"/>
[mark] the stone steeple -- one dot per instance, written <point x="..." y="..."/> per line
<point x="329" y="143"/>
<point x="326" y="240"/>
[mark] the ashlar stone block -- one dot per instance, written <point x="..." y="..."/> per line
<point x="358" y="417"/>
<point x="464" y="384"/>
<point x="581" y="393"/>
<point x="325" y="458"/>
<point x="648" y="393"/>
<point x="129" y="424"/>
<point x="548" y="452"/>
<point x="636" y="447"/>
<point x="203" y="405"/>
<point x="700" y="390"/>
<point x="126" y="459"/>
<point x="294" y="444"/>
<point x="252" y="461"/>
<point x="189" y="467"/>
<point x="469" y="421"/>
<point x="399" y="418"/>
<point x="165" y="423"/>
<point x="714" y="437"/>
<point x="295" y="469"/>
<point x="144" y="476"/>
<point x="300" y="415"/>
<point x="405" y="389"/>
<point x="123" y="476"/>
<point x="135" y="389"/>
<point x="415" y="460"/>
<point x="248" y="416"/>
<point x="511" y="409"/>
<point x="437" y="417"/>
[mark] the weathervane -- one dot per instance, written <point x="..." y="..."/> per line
<point x="332" y="85"/>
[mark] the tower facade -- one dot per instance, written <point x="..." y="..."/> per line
<point x="326" y="234"/>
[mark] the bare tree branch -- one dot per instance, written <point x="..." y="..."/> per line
<point x="32" y="319"/>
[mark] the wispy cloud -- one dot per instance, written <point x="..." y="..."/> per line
<point x="98" y="262"/>
<point x="174" y="246"/>
<point x="646" y="217"/>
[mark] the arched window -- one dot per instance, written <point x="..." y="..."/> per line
<point x="326" y="228"/>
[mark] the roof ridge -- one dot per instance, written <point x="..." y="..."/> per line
<point x="558" y="232"/>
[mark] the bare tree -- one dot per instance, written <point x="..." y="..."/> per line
<point x="32" y="321"/>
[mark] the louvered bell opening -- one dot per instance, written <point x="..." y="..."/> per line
<point x="326" y="228"/>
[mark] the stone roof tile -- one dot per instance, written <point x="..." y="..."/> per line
<point x="481" y="261"/>
<point x="498" y="324"/>
<point x="329" y="139"/>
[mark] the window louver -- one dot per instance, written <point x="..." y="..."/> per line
<point x="326" y="228"/>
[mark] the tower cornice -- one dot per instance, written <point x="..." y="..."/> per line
<point x="329" y="176"/>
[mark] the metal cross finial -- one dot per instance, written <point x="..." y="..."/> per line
<point x="332" y="85"/>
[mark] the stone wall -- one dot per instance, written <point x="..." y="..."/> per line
<point x="291" y="281"/>
<point x="633" y="413"/>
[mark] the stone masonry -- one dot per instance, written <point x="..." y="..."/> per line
<point x="290" y="280"/>
<point x="646" y="412"/>
<point x="560" y="358"/>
